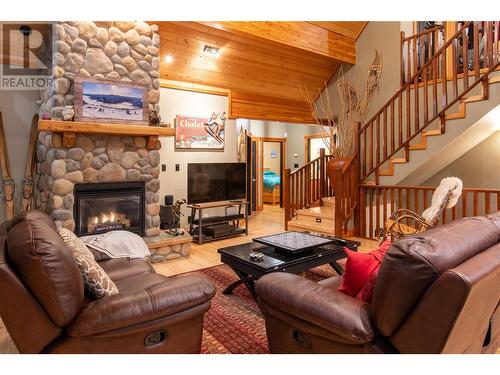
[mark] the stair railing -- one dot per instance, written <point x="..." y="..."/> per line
<point x="378" y="203"/>
<point x="403" y="117"/>
<point x="306" y="186"/>
<point x="417" y="49"/>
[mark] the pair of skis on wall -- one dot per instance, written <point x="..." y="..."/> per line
<point x="7" y="183"/>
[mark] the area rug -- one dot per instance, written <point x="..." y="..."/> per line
<point x="234" y="323"/>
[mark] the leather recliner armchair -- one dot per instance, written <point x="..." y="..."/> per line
<point x="436" y="292"/>
<point x="43" y="305"/>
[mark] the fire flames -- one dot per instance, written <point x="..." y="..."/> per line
<point x="107" y="221"/>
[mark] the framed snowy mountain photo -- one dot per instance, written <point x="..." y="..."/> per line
<point x="99" y="100"/>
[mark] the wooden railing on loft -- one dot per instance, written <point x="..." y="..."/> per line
<point x="416" y="50"/>
<point x="306" y="185"/>
<point x="404" y="117"/>
<point x="377" y="203"/>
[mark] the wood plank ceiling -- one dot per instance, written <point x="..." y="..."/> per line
<point x="262" y="65"/>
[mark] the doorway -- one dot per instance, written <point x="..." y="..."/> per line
<point x="266" y="163"/>
<point x="272" y="173"/>
<point x="313" y="143"/>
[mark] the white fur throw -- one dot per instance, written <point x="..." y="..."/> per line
<point x="448" y="184"/>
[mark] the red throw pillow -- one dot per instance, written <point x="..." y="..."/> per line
<point x="361" y="271"/>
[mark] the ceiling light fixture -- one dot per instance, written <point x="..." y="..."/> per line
<point x="169" y="58"/>
<point x="211" y="50"/>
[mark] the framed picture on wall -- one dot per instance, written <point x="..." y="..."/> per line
<point x="199" y="133"/>
<point x="100" y="100"/>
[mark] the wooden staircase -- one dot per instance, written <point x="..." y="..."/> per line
<point x="428" y="98"/>
<point x="461" y="113"/>
<point x="320" y="219"/>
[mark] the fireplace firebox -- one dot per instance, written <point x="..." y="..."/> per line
<point x="102" y="207"/>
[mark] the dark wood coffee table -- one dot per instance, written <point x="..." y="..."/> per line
<point x="238" y="258"/>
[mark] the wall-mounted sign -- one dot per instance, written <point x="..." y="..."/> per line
<point x="200" y="133"/>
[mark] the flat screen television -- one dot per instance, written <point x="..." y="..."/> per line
<point x="214" y="182"/>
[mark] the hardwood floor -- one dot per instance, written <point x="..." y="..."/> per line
<point x="269" y="220"/>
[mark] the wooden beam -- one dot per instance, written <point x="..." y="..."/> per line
<point x="349" y="29"/>
<point x="258" y="107"/>
<point x="302" y="35"/>
<point x="202" y="89"/>
<point x="194" y="87"/>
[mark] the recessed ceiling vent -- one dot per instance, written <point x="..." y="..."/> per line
<point x="211" y="50"/>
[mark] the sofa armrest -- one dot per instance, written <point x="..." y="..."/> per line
<point x="345" y="317"/>
<point x="121" y="310"/>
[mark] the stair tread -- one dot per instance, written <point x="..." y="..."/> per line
<point x="386" y="172"/>
<point x="329" y="201"/>
<point x="494" y="80"/>
<point x="418" y="146"/>
<point x="474" y="98"/>
<point x="454" y="116"/>
<point x="310" y="227"/>
<point x="432" y="132"/>
<point x="323" y="211"/>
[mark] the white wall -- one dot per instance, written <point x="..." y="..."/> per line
<point x="178" y="102"/>
<point x="18" y="108"/>
<point x="272" y="163"/>
<point x="293" y="132"/>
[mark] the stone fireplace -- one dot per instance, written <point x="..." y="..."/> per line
<point x="94" y="159"/>
<point x="124" y="51"/>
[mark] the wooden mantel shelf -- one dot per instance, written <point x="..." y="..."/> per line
<point x="71" y="128"/>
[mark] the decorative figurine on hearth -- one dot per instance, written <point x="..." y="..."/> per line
<point x="176" y="211"/>
<point x="68" y="113"/>
<point x="165" y="124"/>
<point x="177" y="208"/>
<point x="154" y="118"/>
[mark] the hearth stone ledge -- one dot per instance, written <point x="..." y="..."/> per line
<point x="95" y="158"/>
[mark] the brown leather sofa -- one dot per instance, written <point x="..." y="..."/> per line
<point x="43" y="305"/>
<point x="436" y="292"/>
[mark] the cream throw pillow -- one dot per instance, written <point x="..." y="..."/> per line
<point x="96" y="281"/>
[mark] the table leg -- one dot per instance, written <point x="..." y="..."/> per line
<point x="246" y="219"/>
<point x="337" y="267"/>
<point x="199" y="226"/>
<point x="244" y="278"/>
<point x="193" y="216"/>
<point x="239" y="212"/>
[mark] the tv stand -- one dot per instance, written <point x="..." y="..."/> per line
<point x="213" y="228"/>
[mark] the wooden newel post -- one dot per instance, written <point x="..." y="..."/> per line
<point x="286" y="196"/>
<point x="322" y="174"/>
<point x="344" y="180"/>
<point x="338" y="188"/>
<point x="355" y="180"/>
